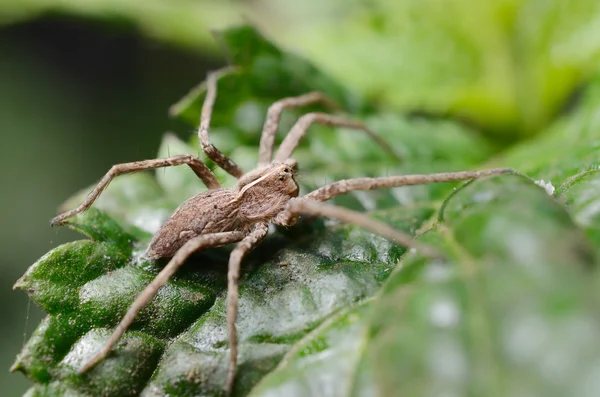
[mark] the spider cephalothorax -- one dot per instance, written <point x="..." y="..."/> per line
<point x="242" y="214"/>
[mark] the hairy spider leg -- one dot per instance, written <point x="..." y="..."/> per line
<point x="267" y="137"/>
<point x="211" y="151"/>
<point x="193" y="245"/>
<point x="298" y="131"/>
<point x="258" y="233"/>
<point x="312" y="203"/>
<point x="347" y="185"/>
<point x="193" y="162"/>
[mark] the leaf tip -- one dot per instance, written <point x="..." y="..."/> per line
<point x="17" y="365"/>
<point x="21" y="283"/>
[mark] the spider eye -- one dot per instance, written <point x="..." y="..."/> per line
<point x="286" y="170"/>
<point x="282" y="177"/>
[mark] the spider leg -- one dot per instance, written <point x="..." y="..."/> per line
<point x="344" y="186"/>
<point x="203" y="241"/>
<point x="194" y="163"/>
<point x="297" y="207"/>
<point x="257" y="234"/>
<point x="267" y="138"/>
<point x="311" y="203"/>
<point x="211" y="151"/>
<point x="299" y="129"/>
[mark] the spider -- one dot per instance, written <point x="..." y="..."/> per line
<point x="241" y="215"/>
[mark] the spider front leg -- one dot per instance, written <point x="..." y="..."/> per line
<point x="203" y="172"/>
<point x="267" y="138"/>
<point x="347" y="185"/>
<point x="311" y="204"/>
<point x="211" y="151"/>
<point x="193" y="245"/>
<point x="257" y="234"/>
<point x="291" y="141"/>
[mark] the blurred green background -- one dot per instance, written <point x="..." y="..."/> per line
<point x="87" y="84"/>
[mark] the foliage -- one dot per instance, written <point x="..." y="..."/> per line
<point x="507" y="65"/>
<point x="330" y="308"/>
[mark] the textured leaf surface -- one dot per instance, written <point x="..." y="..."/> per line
<point x="507" y="315"/>
<point x="511" y="310"/>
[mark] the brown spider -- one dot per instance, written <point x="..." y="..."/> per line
<point x="267" y="194"/>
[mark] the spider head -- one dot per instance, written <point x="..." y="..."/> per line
<point x="273" y="180"/>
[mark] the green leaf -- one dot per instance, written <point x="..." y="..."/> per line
<point x="508" y="65"/>
<point x="328" y="361"/>
<point x="262" y="74"/>
<point x="491" y="321"/>
<point x="53" y="389"/>
<point x="179" y="183"/>
<point x="574" y="137"/>
<point x="494" y="320"/>
<point x="98" y="226"/>
<point x="580" y="194"/>
<point x="332" y="308"/>
<point x="56" y="288"/>
<point x="185" y="23"/>
<point x="45" y="348"/>
<point x="279" y="302"/>
<point x="136" y="201"/>
<point x="119" y="376"/>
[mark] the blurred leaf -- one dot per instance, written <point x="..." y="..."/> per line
<point x="136" y="201"/>
<point x="179" y="183"/>
<point x="574" y="136"/>
<point x="312" y="313"/>
<point x="262" y="73"/>
<point x="185" y="22"/>
<point x="509" y="314"/>
<point x="581" y="194"/>
<point x="509" y="65"/>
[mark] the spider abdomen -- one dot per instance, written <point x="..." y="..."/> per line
<point x="212" y="211"/>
